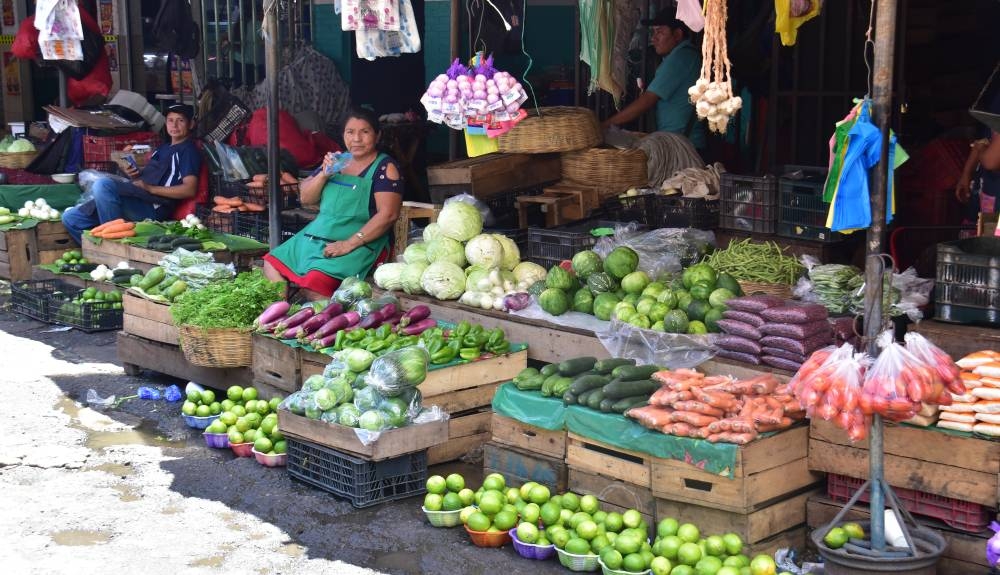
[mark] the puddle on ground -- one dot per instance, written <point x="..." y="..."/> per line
<point x="80" y="537"/>
<point x="215" y="561"/>
<point x="399" y="561"/>
<point x="126" y="494"/>
<point x="143" y="434"/>
<point x="118" y="469"/>
<point x="292" y="550"/>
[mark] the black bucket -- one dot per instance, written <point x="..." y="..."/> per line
<point x="929" y="543"/>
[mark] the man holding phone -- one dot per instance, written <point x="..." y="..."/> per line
<point x="153" y="192"/>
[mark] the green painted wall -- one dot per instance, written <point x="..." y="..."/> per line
<point x="330" y="40"/>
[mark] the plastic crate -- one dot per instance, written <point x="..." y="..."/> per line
<point x="968" y="281"/>
<point x="93" y="316"/>
<point x="31" y="298"/>
<point x="364" y="483"/>
<point x="259" y="196"/>
<point x="748" y="203"/>
<point x="680" y="212"/>
<point x="803" y="211"/>
<point x="962" y="515"/>
<point x="98" y="148"/>
<point x="551" y="246"/>
<point x="257" y="226"/>
<point x="217" y="221"/>
<point x="631" y="209"/>
<point x="106" y="167"/>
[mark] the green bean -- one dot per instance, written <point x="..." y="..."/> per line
<point x="756" y="262"/>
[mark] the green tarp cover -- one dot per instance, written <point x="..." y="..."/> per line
<point x="625" y="433"/>
<point x="59" y="196"/>
<point x="530" y="407"/>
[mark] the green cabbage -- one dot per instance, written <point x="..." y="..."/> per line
<point x="511" y="253"/>
<point x="484" y="250"/>
<point x="410" y="278"/>
<point x="415" y="252"/>
<point x="446" y="250"/>
<point x="529" y="273"/>
<point x="432" y="232"/>
<point x="21" y="145"/>
<point x="387" y="276"/>
<point x="473" y="279"/>
<point x="460" y="221"/>
<point x="443" y="280"/>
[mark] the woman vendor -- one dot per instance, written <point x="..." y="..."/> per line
<point x="357" y="209"/>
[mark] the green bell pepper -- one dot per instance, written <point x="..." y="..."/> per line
<point x="463" y="327"/>
<point x="469" y="353"/>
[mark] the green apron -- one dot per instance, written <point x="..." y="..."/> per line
<point x="343" y="210"/>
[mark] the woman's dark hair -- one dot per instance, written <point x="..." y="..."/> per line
<point x="359" y="113"/>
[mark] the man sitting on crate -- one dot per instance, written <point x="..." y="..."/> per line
<point x="170" y="177"/>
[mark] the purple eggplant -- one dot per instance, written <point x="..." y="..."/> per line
<point x="272" y="314"/>
<point x="416" y="313"/>
<point x="324" y="342"/>
<point x="293" y="333"/>
<point x="418" y="327"/>
<point x="297" y="319"/>
<point x="377" y="317"/>
<point x="317" y="321"/>
<point x="333" y="309"/>
<point x="394" y="320"/>
<point x="331" y="327"/>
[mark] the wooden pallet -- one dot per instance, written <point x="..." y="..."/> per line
<point x="20" y="250"/>
<point x="148" y="319"/>
<point x="490" y="174"/>
<point x="38" y="273"/>
<point x="509" y="431"/>
<point x="390" y="443"/>
<point x="767" y="469"/>
<point x="753" y="527"/>
<point x="467" y="432"/>
<point x="964" y="468"/>
<point x="614" y="495"/>
<point x="593" y="456"/>
<point x="964" y="554"/>
<point x="519" y="466"/>
<point x="276" y="364"/>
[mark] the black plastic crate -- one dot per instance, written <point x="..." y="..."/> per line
<point x="364" y="483"/>
<point x="803" y="212"/>
<point x="224" y="223"/>
<point x="676" y="211"/>
<point x="259" y="196"/>
<point x="31" y="298"/>
<point x="968" y="281"/>
<point x="257" y="225"/>
<point x="631" y="209"/>
<point x="548" y="247"/>
<point x="748" y="203"/>
<point x="92" y="316"/>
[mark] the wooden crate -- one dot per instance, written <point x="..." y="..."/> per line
<point x="613" y="494"/>
<point x="148" y="319"/>
<point x="590" y="455"/>
<point x="408" y="212"/>
<point x="956" y="339"/>
<point x="753" y="527"/>
<point x="276" y="364"/>
<point x="519" y="466"/>
<point x="767" y="469"/>
<point x="487" y="175"/>
<point x="467" y="432"/>
<point x="964" y="468"/>
<point x="794" y="538"/>
<point x="509" y="431"/>
<point x="51" y="238"/>
<point x="16" y="254"/>
<point x="111" y="252"/>
<point x="391" y="443"/>
<point x="964" y="554"/>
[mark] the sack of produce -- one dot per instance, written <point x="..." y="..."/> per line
<point x="398" y="371"/>
<point x="351" y="290"/>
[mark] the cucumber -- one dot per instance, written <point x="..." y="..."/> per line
<point x="619" y="389"/>
<point x="569" y="398"/>
<point x="605" y="366"/>
<point x="152" y="278"/>
<point x="577" y="365"/>
<point x="548" y="383"/>
<point x="627" y="403"/>
<point x="606" y="404"/>
<point x="561" y="386"/>
<point x="525" y="374"/>
<point x="582" y="398"/>
<point x="585" y="382"/>
<point x="634" y="372"/>
<point x="595" y="398"/>
<point x="549" y="369"/>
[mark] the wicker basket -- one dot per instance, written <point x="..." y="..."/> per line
<point x="216" y="347"/>
<point x="16" y="160"/>
<point x="609" y="169"/>
<point x="557" y="129"/>
<point x="779" y="290"/>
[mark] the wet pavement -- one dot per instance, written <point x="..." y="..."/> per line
<point x="215" y="512"/>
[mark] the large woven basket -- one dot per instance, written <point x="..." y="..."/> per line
<point x="556" y="129"/>
<point x="216" y="347"/>
<point x="606" y="168"/>
<point x="16" y="160"/>
<point x="779" y="290"/>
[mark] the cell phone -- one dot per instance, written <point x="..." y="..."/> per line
<point x="130" y="160"/>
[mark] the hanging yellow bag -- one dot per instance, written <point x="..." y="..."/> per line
<point x="790" y="14"/>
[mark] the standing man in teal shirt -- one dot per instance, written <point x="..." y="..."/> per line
<point x="680" y="68"/>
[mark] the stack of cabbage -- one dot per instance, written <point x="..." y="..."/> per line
<point x="10" y="145"/>
<point x="457" y="260"/>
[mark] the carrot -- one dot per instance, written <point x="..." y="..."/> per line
<point x="223" y="209"/>
<point x="254" y="207"/>
<point x="114" y="228"/>
<point x="262" y="178"/>
<point x="224" y="201"/>
<point x="101" y="228"/>
<point x="129" y="233"/>
<point x="256" y="185"/>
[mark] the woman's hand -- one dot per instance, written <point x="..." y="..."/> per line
<point x="963" y="190"/>
<point x="335" y="249"/>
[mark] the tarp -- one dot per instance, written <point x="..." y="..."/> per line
<point x="530" y="407"/>
<point x="59" y="196"/>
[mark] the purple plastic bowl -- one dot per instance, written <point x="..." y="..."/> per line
<point x="529" y="551"/>
<point x="216" y="440"/>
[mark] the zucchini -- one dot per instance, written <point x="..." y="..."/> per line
<point x="548" y="383"/>
<point x="619" y="389"/>
<point x="634" y="372"/>
<point x="175" y="289"/>
<point x="577" y="365"/>
<point x="595" y="398"/>
<point x="606" y="404"/>
<point x="569" y="398"/>
<point x="585" y="382"/>
<point x="549" y="369"/>
<point x="605" y="366"/>
<point x="525" y="374"/>
<point x="582" y="398"/>
<point x="627" y="403"/>
<point x="152" y="278"/>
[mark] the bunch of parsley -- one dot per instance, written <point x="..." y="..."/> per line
<point x="227" y="304"/>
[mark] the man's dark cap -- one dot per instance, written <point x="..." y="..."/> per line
<point x="185" y="110"/>
<point x="666" y="17"/>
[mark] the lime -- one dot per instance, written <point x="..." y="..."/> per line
<point x="216" y="427"/>
<point x="432" y="502"/>
<point x="207" y="396"/>
<point x="280" y="446"/>
<point x="505" y="520"/>
<point x="734" y="544"/>
<point x="634" y="562"/>
<point x="452" y="502"/>
<point x="466" y="513"/>
<point x="513" y="495"/>
<point x="540" y="494"/>
<point x="631" y="518"/>
<point x="242" y="425"/>
<point x="455" y="482"/>
<point x="667" y="527"/>
<point x="611" y="558"/>
<point x="549" y="513"/>
<point x="467" y="496"/>
<point x="835" y="538"/>
<point x="235" y="393"/>
<point x="263" y="407"/>
<point x="578" y="518"/>
<point x="661" y="566"/>
<point x="708" y="565"/>
<point x="251" y="406"/>
<point x="688" y="553"/>
<point x="565" y="515"/>
<point x="203" y="411"/>
<point x="254" y="419"/>
<point x="436" y="485"/>
<point x="235" y="436"/>
<point x="600" y="517"/>
<point x="589" y="504"/>
<point x="491" y="502"/>
<point x="530" y="512"/>
<point x="853" y="530"/>
<point x="525" y="490"/>
<point x="682" y="570"/>
<point x="250" y="436"/>
<point x="215" y="408"/>
<point x="189" y="408"/>
<point x="228" y="417"/>
<point x="628" y="542"/>
<point x="478" y="521"/>
<point x="587" y="529"/>
<point x="688" y="533"/>
<point x="599" y="543"/>
<point x="570" y="501"/>
<point x="578" y="546"/>
<point x="239" y="410"/>
<point x="494" y="481"/>
<point x="763" y="565"/>
<point x="728" y="570"/>
<point x="268" y="425"/>
<point x="527" y="532"/>
<point x="715" y="545"/>
<point x="274" y="403"/>
<point x="739" y="560"/>
<point x="194" y="396"/>
<point x="560" y="538"/>
<point x="614" y="522"/>
<point x="227" y="404"/>
<point x="248" y="394"/>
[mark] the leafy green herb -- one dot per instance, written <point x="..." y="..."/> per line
<point x="232" y="304"/>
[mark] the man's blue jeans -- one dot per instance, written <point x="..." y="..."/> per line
<point x="111" y="200"/>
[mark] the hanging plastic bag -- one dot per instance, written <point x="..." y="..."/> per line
<point x="829" y="386"/>
<point x="948" y="374"/>
<point x="897" y="382"/>
<point x="790" y="14"/>
<point x="351" y="291"/>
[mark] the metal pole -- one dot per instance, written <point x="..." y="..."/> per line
<point x="885" y="44"/>
<point x="63" y="98"/>
<point x="273" y="167"/>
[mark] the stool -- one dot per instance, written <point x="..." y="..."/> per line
<point x="411" y="211"/>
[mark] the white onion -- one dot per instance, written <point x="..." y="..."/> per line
<point x="492" y="98"/>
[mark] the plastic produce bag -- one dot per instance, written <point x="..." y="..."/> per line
<point x="829" y="386"/>
<point x="197" y="269"/>
<point x="944" y="367"/>
<point x="366" y="306"/>
<point x="397" y="371"/>
<point x="670" y="350"/>
<point x="86" y="179"/>
<point x="488" y="218"/>
<point x="898" y="382"/>
<point x="662" y="251"/>
<point x="352" y="290"/>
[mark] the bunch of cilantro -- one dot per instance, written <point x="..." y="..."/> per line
<point x="227" y="304"/>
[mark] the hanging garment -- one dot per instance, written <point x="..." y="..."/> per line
<point x="689" y="12"/>
<point x="625" y="20"/>
<point x="370" y="15"/>
<point x="374" y="43"/>
<point x="790" y="14"/>
<point x="597" y="19"/>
